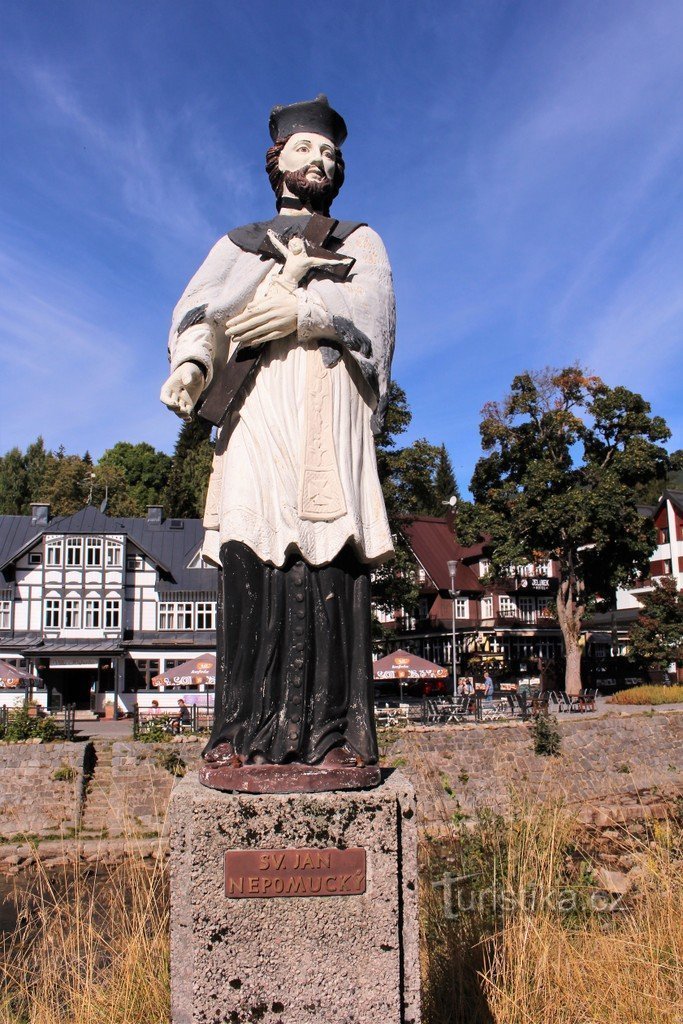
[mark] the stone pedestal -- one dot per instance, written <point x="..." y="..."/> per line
<point x="301" y="958"/>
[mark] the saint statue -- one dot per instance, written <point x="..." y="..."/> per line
<point x="284" y="339"/>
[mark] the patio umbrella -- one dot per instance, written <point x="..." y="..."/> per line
<point x="11" y="676"/>
<point x="190" y="673"/>
<point x="403" y="665"/>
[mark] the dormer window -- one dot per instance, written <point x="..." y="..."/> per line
<point x="74" y="551"/>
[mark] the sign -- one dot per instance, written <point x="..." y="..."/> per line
<point x="73" y="662"/>
<point x="263" y="874"/>
<point x="536" y="585"/>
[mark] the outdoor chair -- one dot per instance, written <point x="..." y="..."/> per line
<point x="587" y="699"/>
<point x="523" y="705"/>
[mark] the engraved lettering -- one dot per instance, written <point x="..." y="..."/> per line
<point x="278" y="885"/>
<point x="252" y="885"/>
<point x="235" y="885"/>
<point x="310" y="873"/>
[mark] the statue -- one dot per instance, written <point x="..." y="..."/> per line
<point x="284" y="338"/>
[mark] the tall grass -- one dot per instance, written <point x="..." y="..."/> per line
<point x="535" y="940"/>
<point x="517" y="935"/>
<point x="90" y="948"/>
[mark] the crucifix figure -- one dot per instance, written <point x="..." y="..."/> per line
<point x="284" y="339"/>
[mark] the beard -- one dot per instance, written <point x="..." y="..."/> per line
<point x="316" y="194"/>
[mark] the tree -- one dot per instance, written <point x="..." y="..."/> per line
<point x="657" y="635"/>
<point x="566" y="455"/>
<point x="144" y="470"/>
<point x="13" y="483"/>
<point x="185" y="493"/>
<point x="36" y="461"/>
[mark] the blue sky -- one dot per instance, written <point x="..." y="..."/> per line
<point x="523" y="162"/>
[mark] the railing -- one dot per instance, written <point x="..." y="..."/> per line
<point x="200" y="719"/>
<point x="69" y="711"/>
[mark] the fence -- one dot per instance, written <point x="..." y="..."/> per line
<point x="193" y="719"/>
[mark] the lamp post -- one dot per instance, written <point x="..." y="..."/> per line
<point x="452" y="569"/>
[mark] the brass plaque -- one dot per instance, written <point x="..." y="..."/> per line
<point x="263" y="874"/>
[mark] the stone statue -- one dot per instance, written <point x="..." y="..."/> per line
<point x="284" y="337"/>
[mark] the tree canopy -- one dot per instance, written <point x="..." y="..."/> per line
<point x="566" y="455"/>
<point x="657" y="635"/>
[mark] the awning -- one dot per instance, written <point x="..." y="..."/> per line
<point x="83" y="647"/>
<point x="402" y="665"/>
<point x="190" y="673"/>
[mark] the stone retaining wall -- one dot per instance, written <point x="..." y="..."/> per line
<point x="612" y="768"/>
<point x="33" y="797"/>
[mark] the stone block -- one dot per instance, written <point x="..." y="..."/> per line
<point x="337" y="959"/>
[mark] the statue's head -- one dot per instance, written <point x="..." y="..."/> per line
<point x="305" y="160"/>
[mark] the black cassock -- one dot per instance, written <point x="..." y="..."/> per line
<point x="294" y="664"/>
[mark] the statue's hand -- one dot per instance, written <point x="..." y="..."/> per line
<point x="182" y="390"/>
<point x="272" y="318"/>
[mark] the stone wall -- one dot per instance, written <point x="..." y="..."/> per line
<point x="611" y="768"/>
<point x="41" y="787"/>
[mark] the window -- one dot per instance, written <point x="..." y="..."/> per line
<point x="72" y="613"/>
<point x="527" y="607"/>
<point x="74" y="551"/>
<point x="93" y="551"/>
<point x="112" y="613"/>
<point x="461" y="607"/>
<point x="484" y="566"/>
<point x="133" y="562"/>
<point x="205" y="615"/>
<point x="487" y="607"/>
<point x="53" y="613"/>
<point x="166" y="615"/>
<point x="543" y="604"/>
<point x="113" y="554"/>
<point x="93" y="613"/>
<point x="54" y="552"/>
<point x="184" y="615"/>
<point x="506" y="606"/>
<point x="35" y="558"/>
<point x="5" y="614"/>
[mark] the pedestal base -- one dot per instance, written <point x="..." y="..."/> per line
<point x="289" y="778"/>
<point x="237" y="956"/>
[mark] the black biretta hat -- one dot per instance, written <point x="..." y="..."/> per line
<point x="310" y="116"/>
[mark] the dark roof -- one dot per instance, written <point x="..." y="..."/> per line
<point x="433" y="543"/>
<point x="170" y="545"/>
<point x="66" y="646"/>
<point x="675" y="497"/>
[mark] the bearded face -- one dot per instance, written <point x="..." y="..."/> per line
<point x="309" y="167"/>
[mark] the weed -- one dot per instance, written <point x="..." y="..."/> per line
<point x="547" y="739"/>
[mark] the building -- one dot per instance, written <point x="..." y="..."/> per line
<point x="506" y="626"/>
<point x="100" y="605"/>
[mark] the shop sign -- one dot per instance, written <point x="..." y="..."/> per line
<point x="536" y="585"/>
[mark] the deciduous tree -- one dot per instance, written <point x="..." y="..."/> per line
<point x="566" y="454"/>
<point x="657" y="635"/>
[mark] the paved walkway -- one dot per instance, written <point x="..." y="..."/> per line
<point x="122" y="729"/>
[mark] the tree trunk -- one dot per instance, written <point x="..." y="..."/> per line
<point x="570" y="608"/>
<point x="572" y="672"/>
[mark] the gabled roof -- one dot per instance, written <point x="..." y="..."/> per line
<point x="170" y="544"/>
<point x="433" y="543"/>
<point x="675" y="497"/>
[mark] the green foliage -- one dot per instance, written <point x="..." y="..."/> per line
<point x="23" y="726"/>
<point x="185" y="493"/>
<point x="156" y="732"/>
<point x="547" y="740"/>
<point x="566" y="453"/>
<point x="657" y="635"/>
<point x="65" y="773"/>
<point x="13" y="484"/>
<point x="145" y="471"/>
<point x="172" y="762"/>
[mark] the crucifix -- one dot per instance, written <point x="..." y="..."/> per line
<point x="301" y="254"/>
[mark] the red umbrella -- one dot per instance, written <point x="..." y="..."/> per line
<point x="402" y="665"/>
<point x="190" y="673"/>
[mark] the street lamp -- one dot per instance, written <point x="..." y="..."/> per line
<point x="452" y="569"/>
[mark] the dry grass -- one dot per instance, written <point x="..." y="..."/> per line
<point x="648" y="695"/>
<point x="526" y="945"/>
<point x="91" y="948"/>
<point x="575" y="955"/>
